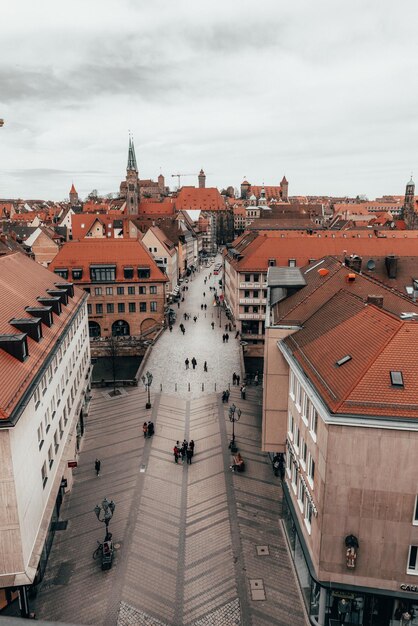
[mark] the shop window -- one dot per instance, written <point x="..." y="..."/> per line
<point x="413" y="561"/>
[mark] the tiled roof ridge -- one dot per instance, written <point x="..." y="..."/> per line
<point x="370" y="364"/>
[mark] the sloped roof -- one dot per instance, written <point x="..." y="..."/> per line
<point x="121" y="252"/>
<point x="205" y="199"/>
<point x="156" y="208"/>
<point x="21" y="282"/>
<point x="377" y="343"/>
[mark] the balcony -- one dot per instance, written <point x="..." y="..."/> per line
<point x="252" y="300"/>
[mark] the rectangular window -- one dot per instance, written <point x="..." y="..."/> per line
<point x="44" y="475"/>
<point x="37" y="397"/>
<point x="272" y="262"/>
<point x="308" y="515"/>
<point x="311" y="470"/>
<point x="142" y="291"/>
<point x="303" y="452"/>
<point x="128" y="273"/>
<point x="77" y="273"/>
<point x="291" y="425"/>
<point x="292" y="385"/>
<point x="412" y="561"/>
<point x="144" y="272"/>
<point x="56" y="441"/>
<point x="53" y="408"/>
<point x="61" y="428"/>
<point x="415" y="518"/>
<point x="110" y="307"/>
<point x="40" y="436"/>
<point x="121" y="307"/>
<point x="247" y="293"/>
<point x="64" y="414"/>
<point x="97" y="291"/>
<point x="298" y="395"/>
<point x="313" y="421"/>
<point x="255" y="293"/>
<point x="102" y="273"/>
<point x="256" y="278"/>
<point x="294" y="476"/>
<point x="153" y="307"/>
<point x="131" y="290"/>
<point x="305" y="407"/>
<point x="142" y="307"/>
<point x="132" y="307"/>
<point x="109" y="291"/>
<point x="297" y="438"/>
<point x="63" y="272"/>
<point x="153" y="289"/>
<point x="301" y="495"/>
<point x="47" y="420"/>
<point x="99" y="309"/>
<point x="247" y="278"/>
<point x="292" y="262"/>
<point x="120" y="291"/>
<point x="50" y="456"/>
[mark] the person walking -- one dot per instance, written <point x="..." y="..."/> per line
<point x="213" y="325"/>
<point x="226" y="327"/>
<point x="185" y="316"/>
<point x="183" y="450"/>
<point x="227" y="396"/>
<point x="178" y="304"/>
<point x="223" y="338"/>
<point x="145" y="429"/>
<point x="195" y="319"/>
<point x="201" y="307"/>
<point x="230" y="327"/>
<point x="243" y="390"/>
<point x="150" y="429"/>
<point x="204" y="294"/>
<point x="234" y="378"/>
<point x="186" y="362"/>
<point x="183" y="330"/>
<point x="237" y="334"/>
<point x="226" y="337"/>
<point x="206" y="306"/>
<point x="238" y="378"/>
<point x="97" y="466"/>
<point x="170" y="328"/>
<point x="191" y="446"/>
<point x="205" y="367"/>
<point x="194" y="363"/>
<point x="176" y="452"/>
<point x="256" y="379"/>
<point x="189" y="455"/>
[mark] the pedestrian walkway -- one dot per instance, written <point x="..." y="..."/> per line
<point x="167" y="359"/>
<point x="195" y="545"/>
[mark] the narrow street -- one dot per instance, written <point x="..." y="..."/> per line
<point x="194" y="544"/>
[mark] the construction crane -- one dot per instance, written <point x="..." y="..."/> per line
<point x="178" y="176"/>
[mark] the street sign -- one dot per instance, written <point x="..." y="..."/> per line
<point x="72" y="463"/>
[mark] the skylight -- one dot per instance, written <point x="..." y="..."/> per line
<point x="345" y="359"/>
<point x="396" y="379"/>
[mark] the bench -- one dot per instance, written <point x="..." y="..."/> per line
<point x="238" y="463"/>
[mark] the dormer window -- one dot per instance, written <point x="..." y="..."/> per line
<point x="272" y="262"/>
<point x="102" y="273"/>
<point x="62" y="272"/>
<point x="396" y="379"/>
<point x="144" y="272"/>
<point x="77" y="273"/>
<point x="15" y="345"/>
<point x="128" y="273"/>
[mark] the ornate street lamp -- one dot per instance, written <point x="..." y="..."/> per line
<point x="104" y="512"/>
<point x="147" y="380"/>
<point x="234" y="415"/>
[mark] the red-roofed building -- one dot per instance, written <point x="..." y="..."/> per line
<point x="45" y="375"/>
<point x="127" y="289"/>
<point x="339" y="402"/>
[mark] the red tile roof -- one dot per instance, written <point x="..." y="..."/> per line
<point x="377" y="343"/>
<point x="121" y="252"/>
<point x="205" y="199"/>
<point x="21" y="282"/>
<point x="156" y="208"/>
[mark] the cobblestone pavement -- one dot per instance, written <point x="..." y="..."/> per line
<point x="187" y="538"/>
<point x="167" y="360"/>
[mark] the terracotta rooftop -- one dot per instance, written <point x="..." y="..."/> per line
<point x="156" y="208"/>
<point x="321" y="286"/>
<point x="348" y="350"/>
<point x="205" y="199"/>
<point x="21" y="282"/>
<point x="120" y="252"/>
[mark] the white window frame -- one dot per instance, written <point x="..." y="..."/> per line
<point x="44" y="474"/>
<point x="303" y="457"/>
<point x="301" y="495"/>
<point x="298" y="395"/>
<point x="305" y="408"/>
<point x="292" y="385"/>
<point x="294" y="480"/>
<point x="311" y="464"/>
<point x="296" y="440"/>
<point x="412" y="571"/>
<point x="313" y="423"/>
<point x="415" y="513"/>
<point x="291" y="425"/>
<point x="306" y="517"/>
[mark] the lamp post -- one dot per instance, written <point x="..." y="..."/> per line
<point x="234" y="415"/>
<point x="104" y="513"/>
<point x="147" y="380"/>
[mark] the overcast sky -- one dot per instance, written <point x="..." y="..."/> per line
<point x="325" y="92"/>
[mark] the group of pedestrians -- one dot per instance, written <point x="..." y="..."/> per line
<point x="235" y="379"/>
<point x="193" y="362"/>
<point x="225" y="338"/>
<point x="184" y="451"/>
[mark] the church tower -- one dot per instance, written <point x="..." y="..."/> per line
<point x="202" y="179"/>
<point x="284" y="186"/>
<point x="73" y="196"/>
<point x="132" y="181"/>
<point x="408" y="210"/>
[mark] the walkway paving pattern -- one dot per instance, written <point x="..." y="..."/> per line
<point x="195" y="544"/>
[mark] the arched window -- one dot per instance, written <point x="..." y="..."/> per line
<point x="120" y="328"/>
<point x="94" y="329"/>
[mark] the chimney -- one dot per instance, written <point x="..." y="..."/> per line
<point x="376" y="300"/>
<point x="354" y="262"/>
<point x="391" y="263"/>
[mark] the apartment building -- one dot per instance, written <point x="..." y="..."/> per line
<point x="340" y="378"/>
<point x="45" y="376"/>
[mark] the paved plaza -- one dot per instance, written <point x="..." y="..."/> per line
<point x="195" y="544"/>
